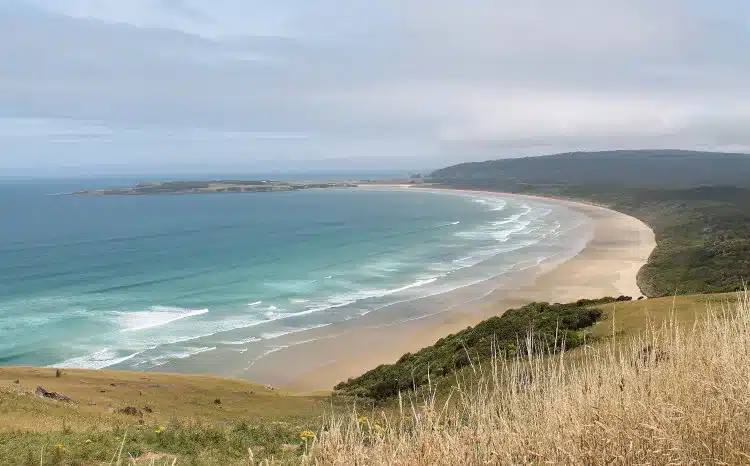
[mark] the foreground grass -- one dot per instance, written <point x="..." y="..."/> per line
<point x="190" y="444"/>
<point x="676" y="394"/>
<point x="198" y="420"/>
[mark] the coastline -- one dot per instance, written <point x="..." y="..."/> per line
<point x="606" y="266"/>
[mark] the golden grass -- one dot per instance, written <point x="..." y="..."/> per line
<point x="97" y="395"/>
<point x="627" y="319"/>
<point x="675" y="394"/>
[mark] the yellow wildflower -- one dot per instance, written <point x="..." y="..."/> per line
<point x="307" y="435"/>
<point x="60" y="446"/>
<point x="363" y="419"/>
<point x="160" y="429"/>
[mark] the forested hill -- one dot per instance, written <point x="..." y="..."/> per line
<point x="697" y="203"/>
<point x="623" y="167"/>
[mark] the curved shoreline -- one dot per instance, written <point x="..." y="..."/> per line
<point x="607" y="265"/>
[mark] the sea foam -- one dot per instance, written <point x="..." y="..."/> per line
<point x="182" y="354"/>
<point x="158" y="316"/>
<point x="97" y="360"/>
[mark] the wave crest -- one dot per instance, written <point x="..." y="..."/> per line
<point x="158" y="316"/>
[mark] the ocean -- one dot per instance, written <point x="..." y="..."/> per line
<point x="145" y="282"/>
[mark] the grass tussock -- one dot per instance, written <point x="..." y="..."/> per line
<point x="672" y="395"/>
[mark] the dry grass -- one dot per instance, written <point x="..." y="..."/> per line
<point x="97" y="395"/>
<point x="677" y="394"/>
<point x="176" y="417"/>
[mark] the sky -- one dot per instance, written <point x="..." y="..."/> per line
<point x="188" y="86"/>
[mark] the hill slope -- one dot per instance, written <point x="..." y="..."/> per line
<point x="675" y="395"/>
<point x="554" y="326"/>
<point x="198" y="419"/>
<point x="676" y="168"/>
<point x="697" y="203"/>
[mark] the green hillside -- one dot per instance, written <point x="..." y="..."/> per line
<point x="697" y="203"/>
<point x="554" y="326"/>
<point x="660" y="168"/>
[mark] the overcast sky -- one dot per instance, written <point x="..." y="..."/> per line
<point x="171" y="86"/>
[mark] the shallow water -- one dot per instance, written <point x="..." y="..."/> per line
<point x="141" y="282"/>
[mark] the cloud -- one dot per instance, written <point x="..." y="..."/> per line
<point x="414" y="83"/>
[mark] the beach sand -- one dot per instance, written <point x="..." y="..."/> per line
<point x="607" y="266"/>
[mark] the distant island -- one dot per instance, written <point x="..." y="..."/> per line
<point x="211" y="187"/>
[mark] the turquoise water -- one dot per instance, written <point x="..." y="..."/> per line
<point x="139" y="282"/>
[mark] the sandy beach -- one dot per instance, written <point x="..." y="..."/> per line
<point x="607" y="266"/>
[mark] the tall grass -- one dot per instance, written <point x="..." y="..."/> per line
<point x="670" y="396"/>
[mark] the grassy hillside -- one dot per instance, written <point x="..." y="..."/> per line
<point x="201" y="420"/>
<point x="676" y="168"/>
<point x="554" y="326"/>
<point x="697" y="203"/>
<point x="675" y="395"/>
<point x="628" y="320"/>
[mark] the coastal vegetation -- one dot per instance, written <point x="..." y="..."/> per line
<point x="554" y="326"/>
<point x="697" y="203"/>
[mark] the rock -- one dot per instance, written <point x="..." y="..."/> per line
<point x="217" y="401"/>
<point x="148" y="409"/>
<point x="91" y="403"/>
<point x="16" y="382"/>
<point x="42" y="393"/>
<point x="130" y="411"/>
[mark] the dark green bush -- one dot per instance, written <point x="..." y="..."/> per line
<point x="553" y="327"/>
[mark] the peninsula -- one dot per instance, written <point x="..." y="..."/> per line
<point x="212" y="187"/>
